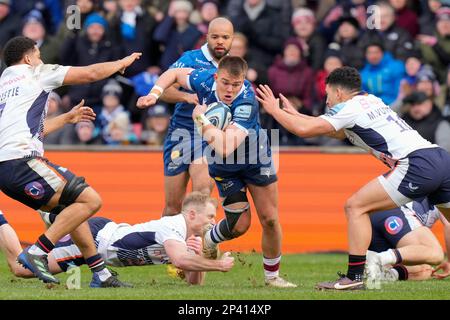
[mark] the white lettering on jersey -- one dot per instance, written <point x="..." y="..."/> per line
<point x="23" y="102"/>
<point x="371" y="125"/>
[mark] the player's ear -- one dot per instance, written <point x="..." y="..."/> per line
<point x="215" y="76"/>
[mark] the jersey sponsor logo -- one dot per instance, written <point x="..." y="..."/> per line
<point x="393" y="225"/>
<point x="35" y="190"/>
<point x="207" y="63"/>
<point x="243" y="112"/>
<point x="266" y="172"/>
<point x="178" y="64"/>
<point x="175" y="154"/>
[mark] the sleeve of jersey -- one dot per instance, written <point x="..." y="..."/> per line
<point x="244" y="116"/>
<point x="195" y="80"/>
<point x="341" y="116"/>
<point x="51" y="76"/>
<point x="185" y="61"/>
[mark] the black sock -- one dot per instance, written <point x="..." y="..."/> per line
<point x="44" y="244"/>
<point x="96" y="263"/>
<point x="398" y="256"/>
<point x="356" y="267"/>
<point x="402" y="271"/>
<point x="52" y="217"/>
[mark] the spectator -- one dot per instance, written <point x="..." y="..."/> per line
<point x="54" y="110"/>
<point x="34" y="28"/>
<point x="354" y="8"/>
<point x="87" y="48"/>
<point x="111" y="108"/>
<point x="382" y="73"/>
<point x="292" y="77"/>
<point x="110" y="9"/>
<point x="426" y="82"/>
<point x="176" y="33"/>
<point x="446" y="97"/>
<point x="405" y="17"/>
<point x="333" y="60"/>
<point x="436" y="48"/>
<point x="209" y="10"/>
<point x="347" y="37"/>
<point x="84" y="133"/>
<point x="85" y="7"/>
<point x="282" y="6"/>
<point x="156" y="125"/>
<point x="408" y="84"/>
<point x="119" y="131"/>
<point x="8" y="23"/>
<point x="312" y="43"/>
<point x="262" y="24"/>
<point x="427" y="20"/>
<point x="396" y="40"/>
<point x="132" y="29"/>
<point x="239" y="48"/>
<point x="425" y="117"/>
<point x="50" y="10"/>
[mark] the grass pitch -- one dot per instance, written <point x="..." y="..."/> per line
<point x="244" y="282"/>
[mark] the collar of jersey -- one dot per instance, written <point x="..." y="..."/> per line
<point x="214" y="87"/>
<point x="208" y="55"/>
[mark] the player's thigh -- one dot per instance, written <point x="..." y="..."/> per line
<point x="370" y="198"/>
<point x="201" y="180"/>
<point x="420" y="236"/>
<point x="265" y="199"/>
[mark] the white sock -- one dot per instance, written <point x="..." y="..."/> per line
<point x="387" y="257"/>
<point x="394" y="272"/>
<point x="37" y="251"/>
<point x="103" y="274"/>
<point x="271" y="267"/>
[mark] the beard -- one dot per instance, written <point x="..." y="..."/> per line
<point x="218" y="55"/>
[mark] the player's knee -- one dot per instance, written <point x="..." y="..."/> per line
<point x="269" y="222"/>
<point x="436" y="256"/>
<point x="241" y="228"/>
<point x="351" y="208"/>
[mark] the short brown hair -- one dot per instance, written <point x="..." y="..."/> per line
<point x="236" y="66"/>
<point x="197" y="199"/>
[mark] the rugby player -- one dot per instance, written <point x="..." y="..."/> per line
<point x="183" y="154"/>
<point x="242" y="158"/>
<point x="418" y="167"/>
<point x="28" y="177"/>
<point x="175" y="239"/>
<point x="405" y="232"/>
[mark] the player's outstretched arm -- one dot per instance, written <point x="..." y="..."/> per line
<point x="78" y="113"/>
<point x="166" y="80"/>
<point x="10" y="245"/>
<point x="302" y="126"/>
<point x="99" y="71"/>
<point x="189" y="261"/>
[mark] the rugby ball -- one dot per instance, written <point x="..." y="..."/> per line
<point x="219" y="114"/>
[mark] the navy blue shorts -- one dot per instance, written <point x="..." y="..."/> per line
<point x="231" y="181"/>
<point x="181" y="148"/>
<point x="388" y="227"/>
<point x="32" y="181"/>
<point x="67" y="253"/>
<point x="424" y="173"/>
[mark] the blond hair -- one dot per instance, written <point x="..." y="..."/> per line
<point x="197" y="199"/>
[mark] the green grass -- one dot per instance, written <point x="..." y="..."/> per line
<point x="245" y="281"/>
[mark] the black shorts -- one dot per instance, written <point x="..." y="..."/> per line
<point x="32" y="181"/>
<point x="388" y="228"/>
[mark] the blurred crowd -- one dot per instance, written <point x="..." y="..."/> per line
<point x="401" y="47"/>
